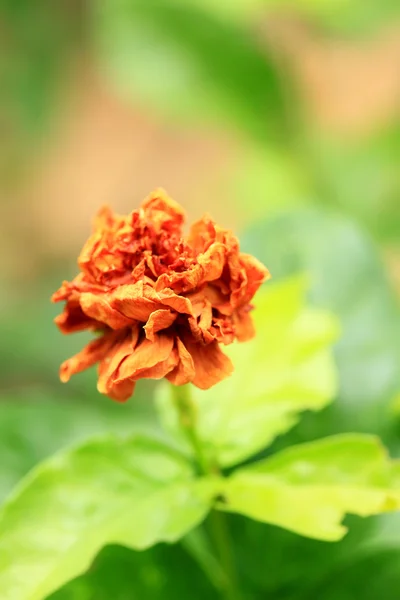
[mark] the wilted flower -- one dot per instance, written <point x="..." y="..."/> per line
<point x="162" y="303"/>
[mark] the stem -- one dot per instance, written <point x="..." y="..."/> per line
<point x="187" y="419"/>
<point x="217" y="520"/>
<point x="220" y="533"/>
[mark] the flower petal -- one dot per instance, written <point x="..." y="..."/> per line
<point x="161" y="211"/>
<point x="146" y="355"/>
<point x="73" y="319"/>
<point x="181" y="281"/>
<point x="212" y="262"/>
<point x="247" y="274"/>
<point x="108" y="367"/>
<point x="99" y="308"/>
<point x="181" y="304"/>
<point x="136" y="301"/>
<point x="200" y="328"/>
<point x="210" y="363"/>
<point x="162" y="368"/>
<point x="243" y="325"/>
<point x="202" y="234"/>
<point x="184" y="372"/>
<point x="158" y="320"/>
<point x="92" y="353"/>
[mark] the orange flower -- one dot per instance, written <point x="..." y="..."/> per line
<point x="163" y="303"/>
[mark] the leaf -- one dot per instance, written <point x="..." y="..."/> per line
<point x="285" y="370"/>
<point x="187" y="61"/>
<point x="160" y="572"/>
<point x="348" y="278"/>
<point x="309" y="488"/>
<point x="135" y="492"/>
<point x="33" y="426"/>
<point x="369" y="578"/>
<point x="198" y="546"/>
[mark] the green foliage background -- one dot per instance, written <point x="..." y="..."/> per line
<point x="334" y="210"/>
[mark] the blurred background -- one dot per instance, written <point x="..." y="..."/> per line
<point x="281" y="118"/>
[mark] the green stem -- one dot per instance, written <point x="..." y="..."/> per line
<point x="220" y="533"/>
<point x="217" y="520"/>
<point x="187" y="419"/>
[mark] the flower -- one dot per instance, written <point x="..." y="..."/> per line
<point x="162" y="303"/>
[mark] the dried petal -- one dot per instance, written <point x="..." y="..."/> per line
<point x="210" y="363"/>
<point x="164" y="303"/>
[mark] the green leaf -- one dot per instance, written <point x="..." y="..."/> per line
<point x="199" y="547"/>
<point x="26" y="436"/>
<point x="286" y="369"/>
<point x="186" y="61"/>
<point x="135" y="492"/>
<point x="309" y="488"/>
<point x="368" y="578"/>
<point x="158" y="573"/>
<point x="348" y="278"/>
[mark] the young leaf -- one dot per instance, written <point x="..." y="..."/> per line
<point x="134" y="492"/>
<point x="309" y="488"/>
<point x="285" y="369"/>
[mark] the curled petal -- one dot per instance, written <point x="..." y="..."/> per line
<point x="180" y="304"/>
<point x="91" y="354"/>
<point x="202" y="234"/>
<point x="70" y="290"/>
<point x="212" y="262"/>
<point x="200" y="327"/>
<point x="162" y="368"/>
<point x="64" y="292"/>
<point x="184" y="372"/>
<point x="99" y="308"/>
<point x="181" y="281"/>
<point x="136" y="301"/>
<point x="209" y="266"/>
<point x="109" y="366"/>
<point x="121" y="391"/>
<point x="147" y="355"/>
<point x="243" y="325"/>
<point x="161" y="210"/>
<point x="97" y="255"/>
<point x="210" y="363"/>
<point x="73" y="319"/>
<point x="158" y="320"/>
<point x="223" y="330"/>
<point x="247" y="275"/>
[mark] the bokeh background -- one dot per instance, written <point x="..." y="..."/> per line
<point x="281" y="119"/>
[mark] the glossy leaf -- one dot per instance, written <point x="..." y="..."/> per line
<point x="134" y="492"/>
<point x="309" y="488"/>
<point x="286" y="369"/>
